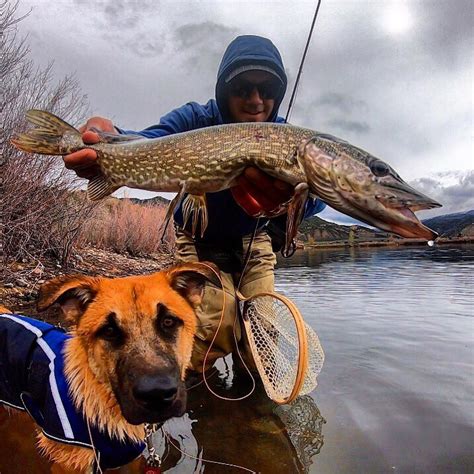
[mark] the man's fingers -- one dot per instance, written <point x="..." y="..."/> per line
<point x="84" y="162"/>
<point x="246" y="201"/>
<point x="90" y="138"/>
<point x="283" y="186"/>
<point x="257" y="177"/>
<point x="80" y="159"/>
<point x="83" y="159"/>
<point x="266" y="200"/>
<point x="276" y="190"/>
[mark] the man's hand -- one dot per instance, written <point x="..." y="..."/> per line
<point x="258" y="193"/>
<point x="83" y="162"/>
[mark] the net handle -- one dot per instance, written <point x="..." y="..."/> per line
<point x="302" y="340"/>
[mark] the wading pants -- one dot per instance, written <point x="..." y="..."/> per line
<point x="258" y="277"/>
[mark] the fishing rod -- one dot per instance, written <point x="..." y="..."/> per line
<point x="300" y="70"/>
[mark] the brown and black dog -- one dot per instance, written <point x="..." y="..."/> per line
<point x="130" y="345"/>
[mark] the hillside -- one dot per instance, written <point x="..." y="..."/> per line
<point x="450" y="226"/>
<point x="460" y="224"/>
<point x="319" y="230"/>
<point x="155" y="201"/>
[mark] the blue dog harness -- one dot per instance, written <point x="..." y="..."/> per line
<point x="32" y="379"/>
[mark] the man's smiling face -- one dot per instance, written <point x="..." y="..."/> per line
<point x="252" y="96"/>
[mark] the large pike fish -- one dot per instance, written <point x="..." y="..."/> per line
<point x="207" y="160"/>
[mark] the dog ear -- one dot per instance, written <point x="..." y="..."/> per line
<point x="73" y="293"/>
<point x="188" y="279"/>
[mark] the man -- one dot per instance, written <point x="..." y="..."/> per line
<point x="251" y="84"/>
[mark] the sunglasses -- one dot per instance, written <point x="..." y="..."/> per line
<point x="244" y="89"/>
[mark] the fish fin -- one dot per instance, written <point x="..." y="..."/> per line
<point x="169" y="213"/>
<point x="100" y="187"/>
<point x="295" y="214"/>
<point x="45" y="138"/>
<point x="195" y="204"/>
<point x="111" y="138"/>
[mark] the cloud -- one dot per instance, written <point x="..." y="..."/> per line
<point x="193" y="35"/>
<point x="201" y="45"/>
<point x="331" y="215"/>
<point x="339" y="114"/>
<point x="120" y="14"/>
<point x="453" y="189"/>
<point x="125" y="24"/>
<point x="446" y="31"/>
<point x="341" y="103"/>
<point x="349" y="125"/>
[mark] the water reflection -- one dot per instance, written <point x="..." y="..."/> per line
<point x="254" y="433"/>
<point x="459" y="254"/>
<point x="396" y="325"/>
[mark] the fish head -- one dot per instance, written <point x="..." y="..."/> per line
<point x="362" y="186"/>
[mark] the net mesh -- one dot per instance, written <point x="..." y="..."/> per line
<point x="273" y="339"/>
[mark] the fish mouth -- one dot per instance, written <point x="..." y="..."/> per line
<point x="411" y="227"/>
<point x="402" y="204"/>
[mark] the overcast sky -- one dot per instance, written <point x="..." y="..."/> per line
<point x="392" y="77"/>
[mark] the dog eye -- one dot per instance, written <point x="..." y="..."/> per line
<point x="168" y="323"/>
<point x="110" y="330"/>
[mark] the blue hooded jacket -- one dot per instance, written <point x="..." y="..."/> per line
<point x="227" y="220"/>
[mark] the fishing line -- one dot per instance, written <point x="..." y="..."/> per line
<point x="166" y="435"/>
<point x="204" y="377"/>
<point x="300" y="70"/>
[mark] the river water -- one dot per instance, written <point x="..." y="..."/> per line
<point x="396" y="391"/>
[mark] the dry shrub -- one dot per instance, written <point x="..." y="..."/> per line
<point x="40" y="216"/>
<point x="126" y="227"/>
<point x="40" y="213"/>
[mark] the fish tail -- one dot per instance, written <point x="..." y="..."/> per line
<point x="46" y="137"/>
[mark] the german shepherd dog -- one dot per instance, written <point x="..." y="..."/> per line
<point x="123" y="362"/>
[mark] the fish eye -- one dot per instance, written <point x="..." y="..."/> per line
<point x="379" y="168"/>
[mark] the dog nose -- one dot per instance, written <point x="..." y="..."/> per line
<point x="156" y="390"/>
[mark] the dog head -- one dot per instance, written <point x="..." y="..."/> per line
<point x="135" y="334"/>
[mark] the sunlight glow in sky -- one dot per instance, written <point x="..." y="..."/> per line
<point x="397" y="19"/>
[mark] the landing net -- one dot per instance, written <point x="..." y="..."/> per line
<point x="286" y="351"/>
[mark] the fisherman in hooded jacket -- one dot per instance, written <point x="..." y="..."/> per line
<point x="251" y="84"/>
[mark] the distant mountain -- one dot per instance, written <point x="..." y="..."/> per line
<point x="319" y="230"/>
<point x="459" y="224"/>
<point x="154" y="201"/>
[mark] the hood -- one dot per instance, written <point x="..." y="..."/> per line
<point x="243" y="50"/>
